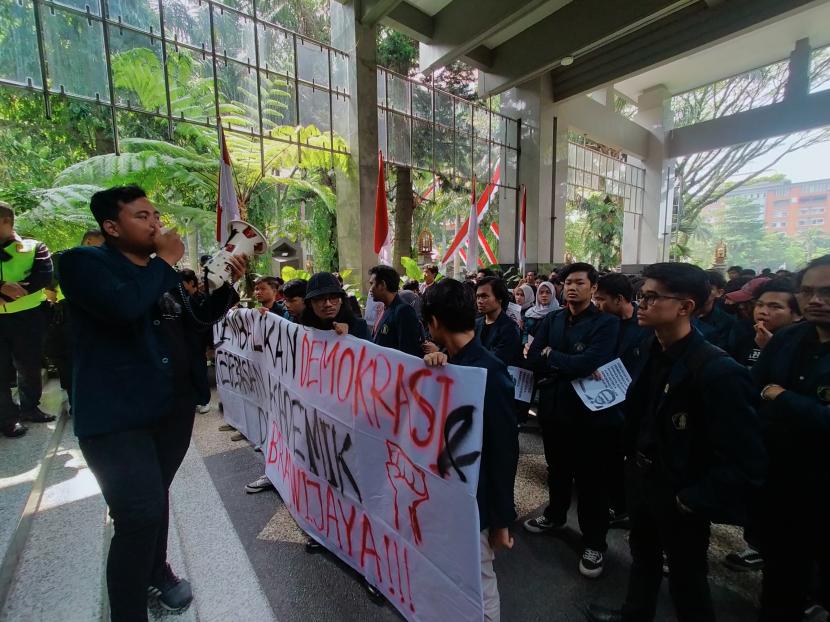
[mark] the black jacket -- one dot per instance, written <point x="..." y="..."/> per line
<point x="503" y="338"/>
<point x="122" y="318"/>
<point x="578" y="349"/>
<point x="400" y="329"/>
<point x="708" y="433"/>
<point x="716" y="327"/>
<point x="797" y="422"/>
<point x="500" y="439"/>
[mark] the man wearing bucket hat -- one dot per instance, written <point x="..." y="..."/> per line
<point x="137" y="379"/>
<point x="325" y="308"/>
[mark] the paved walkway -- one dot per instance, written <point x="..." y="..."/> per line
<point x="538" y="578"/>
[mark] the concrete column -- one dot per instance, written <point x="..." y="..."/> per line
<point x="356" y="189"/>
<point x="654" y="236"/>
<point x="532" y="102"/>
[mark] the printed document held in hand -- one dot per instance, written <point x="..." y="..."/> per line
<point x="608" y="391"/>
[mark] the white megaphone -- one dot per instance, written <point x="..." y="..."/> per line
<point x="243" y="239"/>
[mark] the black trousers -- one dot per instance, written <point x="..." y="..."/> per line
<point x="796" y="545"/>
<point x="657" y="526"/>
<point x="58" y="345"/>
<point x="578" y="454"/>
<point x="21" y="353"/>
<point x="135" y="469"/>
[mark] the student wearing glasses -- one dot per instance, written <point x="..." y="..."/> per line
<point x="694" y="453"/>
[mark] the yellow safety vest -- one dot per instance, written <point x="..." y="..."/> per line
<point x="17" y="270"/>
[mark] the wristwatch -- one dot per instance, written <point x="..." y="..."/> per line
<point x="764" y="391"/>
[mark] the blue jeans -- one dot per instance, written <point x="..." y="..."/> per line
<point x="135" y="469"/>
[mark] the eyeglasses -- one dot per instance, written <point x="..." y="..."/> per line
<point x="649" y="299"/>
<point x="814" y="292"/>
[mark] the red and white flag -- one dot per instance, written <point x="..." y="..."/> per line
<point x="227" y="205"/>
<point x="483" y="205"/>
<point x="472" y="232"/>
<point x="523" y="232"/>
<point x="382" y="237"/>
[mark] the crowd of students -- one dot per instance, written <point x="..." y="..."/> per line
<point x="726" y="419"/>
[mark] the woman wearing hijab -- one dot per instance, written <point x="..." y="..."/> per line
<point x="525" y="298"/>
<point x="545" y="303"/>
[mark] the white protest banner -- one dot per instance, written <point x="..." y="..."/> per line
<point x="375" y="455"/>
<point x="514" y="312"/>
<point x="524" y="383"/>
<point x="608" y="391"/>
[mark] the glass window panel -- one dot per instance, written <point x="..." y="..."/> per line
<point x="18" y="54"/>
<point x="820" y="70"/>
<point x="381" y="88"/>
<point x="497" y="129"/>
<point x="481" y="122"/>
<point x="443" y="108"/>
<point x="234" y="36"/>
<point x="81" y="5"/>
<point x="276" y="50"/>
<point x="314" y="107"/>
<point x="422" y="102"/>
<point x="139" y="125"/>
<point x="382" y="133"/>
<point x="571" y="154"/>
<point x="238" y="96"/>
<point x="187" y="21"/>
<point x="75" y="55"/>
<point x="462" y="116"/>
<point x="421" y="144"/>
<point x="481" y="160"/>
<point x="398" y="93"/>
<point x="512" y="168"/>
<point x="339" y="72"/>
<point x="142" y="14"/>
<point x="399" y="139"/>
<point x="277" y="94"/>
<point x="312" y="63"/>
<point x="495" y="159"/>
<point x="512" y="133"/>
<point x="191" y="85"/>
<point x="571" y="176"/>
<point x="239" y="5"/>
<point x="137" y="70"/>
<point x="463" y="156"/>
<point x="443" y="149"/>
<point x="340" y="114"/>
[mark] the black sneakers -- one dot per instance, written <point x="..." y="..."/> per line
<point x="592" y="563"/>
<point x="173" y="593"/>
<point x="541" y="524"/>
<point x="14" y="430"/>
<point x="36" y="415"/>
<point x="745" y="561"/>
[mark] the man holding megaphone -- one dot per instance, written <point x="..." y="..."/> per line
<point x="139" y="370"/>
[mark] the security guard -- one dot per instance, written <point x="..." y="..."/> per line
<point x="25" y="269"/>
<point x="694" y="453"/>
<point x="399" y="327"/>
<point x="497" y="331"/>
<point x="572" y="343"/>
<point x="793" y="376"/>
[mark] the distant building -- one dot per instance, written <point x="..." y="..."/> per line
<point x="785" y="206"/>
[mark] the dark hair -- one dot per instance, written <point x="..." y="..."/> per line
<point x="568" y="270"/>
<point x="747" y="272"/>
<point x="498" y="287"/>
<point x="818" y="262"/>
<point x="388" y="276"/>
<point x="737" y="269"/>
<point x="783" y="286"/>
<point x="6" y="211"/>
<point x="344" y="316"/>
<point x="106" y="204"/>
<point x="616" y="284"/>
<point x="450" y="303"/>
<point x="270" y="281"/>
<point x="766" y="271"/>
<point x="203" y="260"/>
<point x="683" y="279"/>
<point x="737" y="283"/>
<point x="431" y="267"/>
<point x="715" y="279"/>
<point x="92" y="233"/>
<point x="188" y="276"/>
<point x="487" y="272"/>
<point x="295" y="288"/>
<point x="411" y="285"/>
